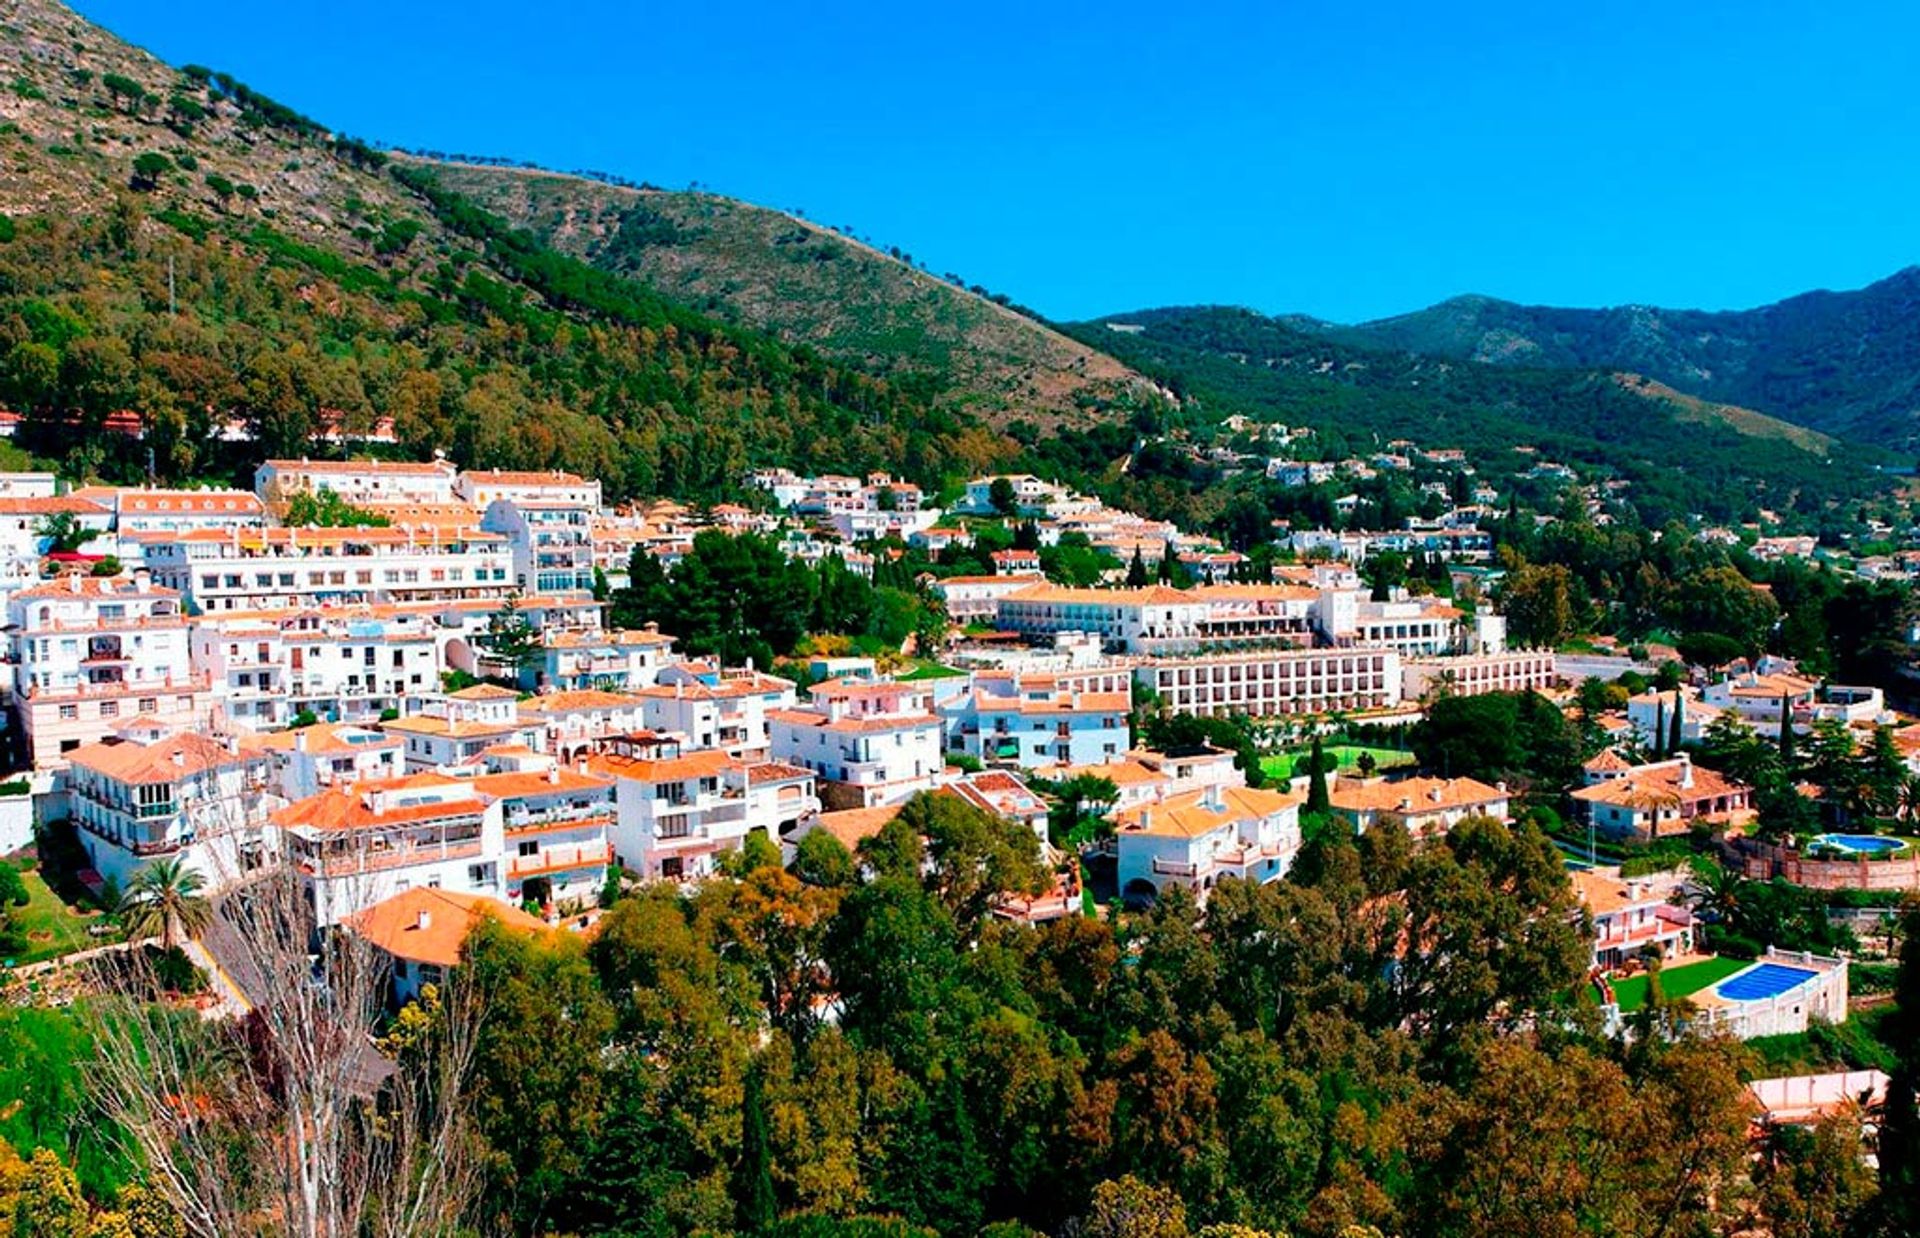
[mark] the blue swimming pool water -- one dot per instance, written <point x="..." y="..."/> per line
<point x="1860" y="842"/>
<point x="1766" y="980"/>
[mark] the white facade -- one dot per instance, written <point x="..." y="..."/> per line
<point x="870" y="743"/>
<point x="1200" y="838"/>
<point x="269" y="569"/>
<point x="551" y="543"/>
<point x="357" y="481"/>
<point x="481" y="488"/>
<point x="456" y="728"/>
<point x="728" y="710"/>
<point x="1526" y="670"/>
<point x="1284" y="682"/>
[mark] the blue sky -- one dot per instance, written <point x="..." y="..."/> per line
<point x="1340" y="158"/>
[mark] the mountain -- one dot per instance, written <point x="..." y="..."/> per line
<point x="1846" y="363"/>
<point x="1680" y="455"/>
<point x="805" y="283"/>
<point x="178" y="243"/>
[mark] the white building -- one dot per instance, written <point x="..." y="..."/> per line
<point x="870" y="743"/>
<point x="712" y="708"/>
<point x="573" y="723"/>
<point x="308" y="760"/>
<point x="1522" y="670"/>
<point x="138" y="510"/>
<point x="613" y="660"/>
<point x="679" y="810"/>
<point x="480" y="489"/>
<point x="151" y="792"/>
<point x="267" y="569"/>
<point x="1283" y="682"/>
<point x="1198" y="839"/>
<point x="357" y="481"/>
<point x="1427" y="807"/>
<point x="455" y="728"/>
<point x="92" y="652"/>
<point x="551" y="543"/>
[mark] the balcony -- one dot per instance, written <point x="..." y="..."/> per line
<point x="383" y="859"/>
<point x="532" y="822"/>
<point x="1175" y="868"/>
<point x="550" y="860"/>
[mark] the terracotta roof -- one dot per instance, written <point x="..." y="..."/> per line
<point x="109" y="587"/>
<point x="577" y="699"/>
<point x="1606" y="761"/>
<point x="1060" y="703"/>
<point x="1189" y="815"/>
<point x="521" y="785"/>
<point x="1122" y="773"/>
<point x="165" y="760"/>
<point x="352" y="807"/>
<point x="1424" y="794"/>
<point x="1604" y="895"/>
<point x="703" y="764"/>
<point x="396" y="468"/>
<point x="728" y="689"/>
<point x="242" y="502"/>
<point x="853" y="825"/>
<point x="852" y="726"/>
<point x="485" y="692"/>
<point x="775" y="771"/>
<point x="1152" y="595"/>
<point x="425" y="925"/>
<point x="1659" y="786"/>
<point x="326" y="738"/>
<point x="509" y="477"/>
<point x="11" y="505"/>
<point x="422" y="724"/>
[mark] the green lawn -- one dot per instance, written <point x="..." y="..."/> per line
<point x="51" y="927"/>
<point x="1281" y="764"/>
<point x="1682" y="981"/>
<point x="929" y="670"/>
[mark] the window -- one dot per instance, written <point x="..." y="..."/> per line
<point x="148" y="704"/>
<point x="530" y="847"/>
<point x="69" y="713"/>
<point x="109" y="709"/>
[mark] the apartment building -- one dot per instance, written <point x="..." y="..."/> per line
<point x="1135" y="620"/>
<point x="1521" y="670"/>
<point x="1282" y="682"/>
<point x="421" y="932"/>
<point x="1143" y="776"/>
<point x="152" y="792"/>
<point x="22" y="515"/>
<point x="870" y="743"/>
<point x="92" y="652"/>
<point x="1036" y="726"/>
<point x="354" y="846"/>
<point x="555" y="825"/>
<point x="139" y="510"/>
<point x="480" y="489"/>
<point x="572" y="723"/>
<point x="1197" y="839"/>
<point x="309" y="759"/>
<point x="358" y="482"/>
<point x="679" y="809"/>
<point x="1427" y="807"/>
<point x="715" y="708"/>
<point x="551" y="543"/>
<point x="344" y="664"/>
<point x="267" y="569"/>
<point x="614" y="660"/>
<point x="976" y="599"/>
<point x="455" y="728"/>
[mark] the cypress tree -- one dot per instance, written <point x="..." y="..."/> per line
<point x="1318" y="801"/>
<point x="1659" y="729"/>
<point x="1786" y="734"/>
<point x="1137" y="570"/>
<point x="753" y="1176"/>
<point x="1679" y="712"/>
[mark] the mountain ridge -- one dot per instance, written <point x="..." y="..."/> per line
<point x="1843" y="362"/>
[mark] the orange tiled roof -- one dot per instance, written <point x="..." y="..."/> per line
<point x="424" y="925"/>
<point x="702" y="764"/>
<point x="1188" y="815"/>
<point x="851" y="826"/>
<point x="1452" y="793"/>
<point x="131" y="762"/>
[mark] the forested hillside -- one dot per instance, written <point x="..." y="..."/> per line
<point x="1680" y="457"/>
<point x="180" y="245"/>
<point x="808" y="284"/>
<point x="1842" y="362"/>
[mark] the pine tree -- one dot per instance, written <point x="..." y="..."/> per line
<point x="1318" y="800"/>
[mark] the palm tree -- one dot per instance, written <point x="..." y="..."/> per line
<point x="163" y="899"/>
<point x="1910" y="799"/>
<point x="1716" y="892"/>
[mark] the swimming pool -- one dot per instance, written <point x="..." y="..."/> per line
<point x="1865" y="844"/>
<point x="1762" y="981"/>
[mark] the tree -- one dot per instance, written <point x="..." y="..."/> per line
<point x="821" y="859"/>
<point x="1130" y="1208"/>
<point x="164" y="899"/>
<point x="1080" y="802"/>
<point x="510" y="638"/>
<point x="1538" y="603"/>
<point x="1004" y="498"/>
<point x="1786" y="732"/>
<point x="753" y="1180"/>
<point x="975" y="857"/>
<point x="1899" y="1142"/>
<point x="63" y="533"/>
<point x="1676" y="724"/>
<point x="1319" y="802"/>
<point x="289" y="1112"/>
<point x="1137" y="577"/>
<point x="148" y="168"/>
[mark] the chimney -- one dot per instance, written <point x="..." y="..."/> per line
<point x="1686" y="770"/>
<point x="73" y="582"/>
<point x="1436" y="793"/>
<point x="1146" y="818"/>
<point x="424" y="920"/>
<point x="179" y="758"/>
<point x="300" y="740"/>
<point x="1406" y="802"/>
<point x="553" y="775"/>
